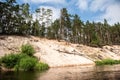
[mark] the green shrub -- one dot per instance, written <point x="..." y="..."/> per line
<point x="16" y="67"/>
<point x="23" y="61"/>
<point x="0" y="62"/>
<point x="27" y="63"/>
<point x="107" y="62"/>
<point x="10" y="60"/>
<point x="41" y="66"/>
<point x="21" y="55"/>
<point x="27" y="49"/>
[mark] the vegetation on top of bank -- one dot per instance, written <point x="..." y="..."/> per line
<point x="107" y="62"/>
<point x="23" y="61"/>
<point x="17" y="19"/>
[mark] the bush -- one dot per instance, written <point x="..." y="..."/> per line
<point x="10" y="60"/>
<point x="0" y="62"/>
<point x="27" y="63"/>
<point x="21" y="55"/>
<point x="27" y="49"/>
<point x="41" y="66"/>
<point x="23" y="61"/>
<point x="107" y="62"/>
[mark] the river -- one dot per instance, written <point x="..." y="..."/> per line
<point x="111" y="72"/>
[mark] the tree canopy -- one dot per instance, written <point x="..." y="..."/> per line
<point x="17" y="19"/>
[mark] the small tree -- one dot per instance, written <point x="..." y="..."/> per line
<point x="28" y="63"/>
<point x="27" y="49"/>
<point x="10" y="60"/>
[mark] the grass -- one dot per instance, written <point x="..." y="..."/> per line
<point x="10" y="60"/>
<point x="27" y="49"/>
<point x="41" y="66"/>
<point x="107" y="62"/>
<point x="28" y="63"/>
<point x="23" y="61"/>
<point x="0" y="62"/>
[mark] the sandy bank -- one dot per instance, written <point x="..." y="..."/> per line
<point x="59" y="54"/>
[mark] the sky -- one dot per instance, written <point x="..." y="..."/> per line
<point x="92" y="10"/>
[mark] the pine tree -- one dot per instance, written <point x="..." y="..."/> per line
<point x="65" y="25"/>
<point x="9" y="14"/>
<point x="77" y="29"/>
<point x="55" y="29"/>
<point x="36" y="28"/>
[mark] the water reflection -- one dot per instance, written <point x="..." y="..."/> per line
<point x="71" y="73"/>
<point x="18" y="76"/>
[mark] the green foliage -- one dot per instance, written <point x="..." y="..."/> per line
<point x="36" y="28"/>
<point x="27" y="63"/>
<point x="95" y="43"/>
<point x="0" y="62"/>
<point x="41" y="66"/>
<point x="107" y="62"/>
<point x="10" y="60"/>
<point x="68" y="27"/>
<point x="27" y="49"/>
<point x="23" y="61"/>
<point x="21" y="55"/>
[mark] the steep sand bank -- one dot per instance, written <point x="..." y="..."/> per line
<point x="58" y="54"/>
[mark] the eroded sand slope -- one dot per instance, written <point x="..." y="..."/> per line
<point x="58" y="54"/>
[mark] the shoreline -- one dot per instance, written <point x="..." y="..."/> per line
<point x="59" y="54"/>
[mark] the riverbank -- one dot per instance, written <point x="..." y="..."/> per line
<point x="59" y="53"/>
<point x="22" y="61"/>
<point x="107" y="72"/>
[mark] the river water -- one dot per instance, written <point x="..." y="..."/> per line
<point x="67" y="73"/>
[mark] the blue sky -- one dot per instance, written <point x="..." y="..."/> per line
<point x="92" y="10"/>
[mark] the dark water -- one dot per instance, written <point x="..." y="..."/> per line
<point x="67" y="73"/>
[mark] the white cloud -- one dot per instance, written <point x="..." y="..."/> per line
<point x="106" y="9"/>
<point x="112" y="13"/>
<point x="110" y="10"/>
<point x="82" y="4"/>
<point x="99" y="5"/>
<point x="45" y="1"/>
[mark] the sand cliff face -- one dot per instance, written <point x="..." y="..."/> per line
<point x="58" y="54"/>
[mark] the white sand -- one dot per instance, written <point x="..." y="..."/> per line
<point x="58" y="54"/>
